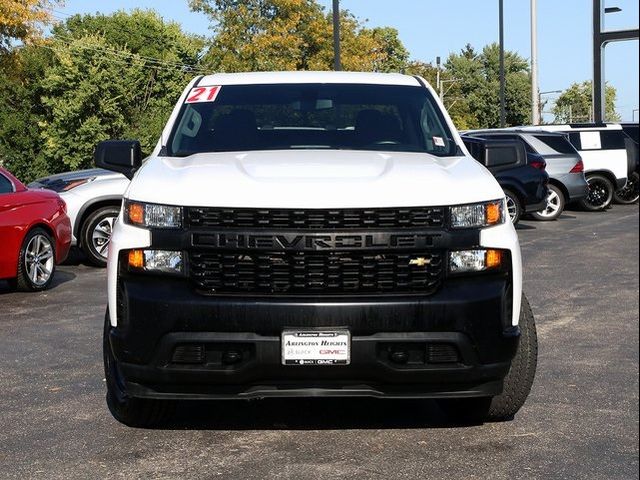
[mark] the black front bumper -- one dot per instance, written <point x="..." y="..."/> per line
<point x="468" y="318"/>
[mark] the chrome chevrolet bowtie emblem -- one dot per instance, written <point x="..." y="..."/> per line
<point x="419" y="262"/>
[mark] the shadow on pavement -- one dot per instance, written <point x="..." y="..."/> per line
<point x="308" y="414"/>
<point x="59" y="277"/>
<point x="524" y="226"/>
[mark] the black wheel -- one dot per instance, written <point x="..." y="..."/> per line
<point x="630" y="192"/>
<point x="36" y="262"/>
<point x="514" y="207"/>
<point x="517" y="383"/>
<point x="555" y="205"/>
<point x="134" y="412"/>
<point x="600" y="193"/>
<point x="95" y="234"/>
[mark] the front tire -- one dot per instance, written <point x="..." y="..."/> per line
<point x="517" y="383"/>
<point x="630" y="192"/>
<point x="36" y="262"/>
<point x="131" y="411"/>
<point x="514" y="207"/>
<point x="600" y="193"/>
<point x="96" y="234"/>
<point x="555" y="205"/>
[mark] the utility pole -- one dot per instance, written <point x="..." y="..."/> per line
<point x="337" y="64"/>
<point x="502" y="75"/>
<point x="438" y="73"/>
<point x="535" y="97"/>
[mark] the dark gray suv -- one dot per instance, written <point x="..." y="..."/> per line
<point x="567" y="183"/>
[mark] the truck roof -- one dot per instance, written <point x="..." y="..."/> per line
<point x="268" y="78"/>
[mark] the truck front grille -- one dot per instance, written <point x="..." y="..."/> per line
<point x="315" y="219"/>
<point x="316" y="273"/>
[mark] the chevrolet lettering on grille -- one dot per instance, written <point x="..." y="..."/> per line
<point x="314" y="242"/>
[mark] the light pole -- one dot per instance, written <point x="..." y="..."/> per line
<point x="600" y="40"/>
<point x="502" y="79"/>
<point x="337" y="64"/>
<point x="535" y="96"/>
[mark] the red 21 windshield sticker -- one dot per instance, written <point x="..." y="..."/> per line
<point x="203" y="94"/>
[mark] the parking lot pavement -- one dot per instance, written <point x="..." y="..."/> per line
<point x="581" y="420"/>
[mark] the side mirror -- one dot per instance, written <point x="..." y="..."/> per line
<point x="122" y="156"/>
<point x="494" y="153"/>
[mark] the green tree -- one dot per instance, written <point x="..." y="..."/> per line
<point x="575" y="104"/>
<point x="478" y="84"/>
<point x="89" y="96"/>
<point x="96" y="77"/>
<point x="170" y="59"/>
<point x="260" y="35"/>
<point x="21" y="110"/>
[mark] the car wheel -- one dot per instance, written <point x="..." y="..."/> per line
<point x="630" y="192"/>
<point x="96" y="234"/>
<point x="517" y="383"/>
<point x="555" y="205"/>
<point x="131" y="411"/>
<point x="513" y="206"/>
<point x="36" y="262"/>
<point x="600" y="193"/>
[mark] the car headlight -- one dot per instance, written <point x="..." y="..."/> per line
<point x="476" y="215"/>
<point x="152" y="215"/>
<point x="159" y="261"/>
<point x="478" y="260"/>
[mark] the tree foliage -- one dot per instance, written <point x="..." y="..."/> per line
<point x="263" y="35"/>
<point x="477" y="86"/>
<point x="96" y="77"/>
<point x="22" y="20"/>
<point x="575" y="104"/>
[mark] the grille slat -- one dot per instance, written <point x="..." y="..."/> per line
<point x="312" y="219"/>
<point x="331" y="272"/>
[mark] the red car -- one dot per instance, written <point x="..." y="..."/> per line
<point x="35" y="234"/>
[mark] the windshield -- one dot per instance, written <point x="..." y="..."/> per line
<point x="310" y="116"/>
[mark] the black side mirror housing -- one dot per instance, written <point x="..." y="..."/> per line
<point x="496" y="153"/>
<point x="122" y="156"/>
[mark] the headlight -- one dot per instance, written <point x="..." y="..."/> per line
<point x="479" y="260"/>
<point x="161" y="261"/>
<point x="152" y="215"/>
<point x="478" y="215"/>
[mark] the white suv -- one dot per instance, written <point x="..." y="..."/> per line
<point x="313" y="233"/>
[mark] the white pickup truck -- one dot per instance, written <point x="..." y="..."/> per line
<point x="309" y="234"/>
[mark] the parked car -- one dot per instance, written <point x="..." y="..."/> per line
<point x="313" y="234"/>
<point x="35" y="234"/>
<point x="567" y="182"/>
<point x="93" y="199"/>
<point x="631" y="191"/>
<point x="525" y="182"/>
<point x="607" y="162"/>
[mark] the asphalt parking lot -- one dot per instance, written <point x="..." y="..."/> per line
<point x="581" y="420"/>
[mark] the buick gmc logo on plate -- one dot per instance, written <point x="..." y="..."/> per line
<point x="321" y="241"/>
<point x="316" y="347"/>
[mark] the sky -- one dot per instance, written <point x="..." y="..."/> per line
<point x="430" y="28"/>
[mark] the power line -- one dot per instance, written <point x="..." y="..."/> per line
<point x="115" y="58"/>
<point x="138" y="33"/>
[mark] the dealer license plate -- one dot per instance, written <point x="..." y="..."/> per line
<point x="316" y="347"/>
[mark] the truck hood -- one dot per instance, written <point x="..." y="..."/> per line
<point x="313" y="179"/>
